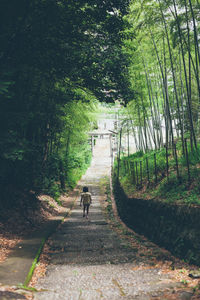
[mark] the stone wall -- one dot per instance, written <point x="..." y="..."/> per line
<point x="175" y="227"/>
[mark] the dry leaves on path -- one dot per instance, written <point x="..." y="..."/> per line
<point x="154" y="257"/>
<point x="17" y="222"/>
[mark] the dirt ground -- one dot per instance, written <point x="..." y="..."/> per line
<point x="22" y="220"/>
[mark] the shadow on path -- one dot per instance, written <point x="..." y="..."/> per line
<point x="89" y="260"/>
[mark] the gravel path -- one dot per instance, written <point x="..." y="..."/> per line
<point x="89" y="260"/>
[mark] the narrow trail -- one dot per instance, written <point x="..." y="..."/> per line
<point x="89" y="260"/>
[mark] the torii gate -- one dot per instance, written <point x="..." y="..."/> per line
<point x="101" y="134"/>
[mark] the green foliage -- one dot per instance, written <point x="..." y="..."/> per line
<point x="171" y="189"/>
<point x="164" y="63"/>
<point x="136" y="155"/>
<point x="77" y="164"/>
<point x="56" y="59"/>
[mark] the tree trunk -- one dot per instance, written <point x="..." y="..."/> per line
<point x="186" y="79"/>
<point x="174" y="78"/>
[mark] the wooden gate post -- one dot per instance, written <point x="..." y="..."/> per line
<point x="167" y="163"/>
<point x="136" y="167"/>
<point x="176" y="158"/>
<point x="155" y="167"/>
<point x="133" y="172"/>
<point x="147" y="167"/>
<point x="187" y="161"/>
<point x="141" y="173"/>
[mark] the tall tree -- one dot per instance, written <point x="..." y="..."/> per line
<point x="53" y="54"/>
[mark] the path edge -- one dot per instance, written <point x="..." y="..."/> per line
<point x="114" y="205"/>
<point x="44" y="240"/>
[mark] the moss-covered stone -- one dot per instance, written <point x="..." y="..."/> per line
<point x="175" y="227"/>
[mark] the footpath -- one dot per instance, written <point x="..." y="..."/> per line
<point x="16" y="271"/>
<point x="88" y="259"/>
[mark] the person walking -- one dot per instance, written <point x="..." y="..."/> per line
<point x="86" y="198"/>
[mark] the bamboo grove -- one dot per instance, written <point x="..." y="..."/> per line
<point x="165" y="72"/>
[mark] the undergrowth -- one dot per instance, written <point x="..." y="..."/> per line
<point x="182" y="186"/>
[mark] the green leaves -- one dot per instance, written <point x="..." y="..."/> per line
<point x="4" y="88"/>
<point x="56" y="58"/>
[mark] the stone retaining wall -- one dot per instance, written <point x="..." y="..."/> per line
<point x="175" y="227"/>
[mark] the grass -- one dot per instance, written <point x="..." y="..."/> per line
<point x="27" y="288"/>
<point x="172" y="189"/>
<point x="29" y="276"/>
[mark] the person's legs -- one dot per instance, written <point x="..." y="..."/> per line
<point x="88" y="209"/>
<point x="84" y="210"/>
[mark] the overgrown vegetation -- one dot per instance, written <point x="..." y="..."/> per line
<point x="56" y="59"/>
<point x="164" y="73"/>
<point x="158" y="174"/>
